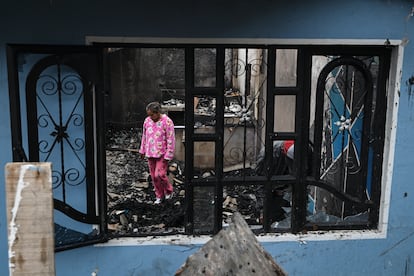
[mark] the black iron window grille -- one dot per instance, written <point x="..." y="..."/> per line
<point x="292" y="137"/>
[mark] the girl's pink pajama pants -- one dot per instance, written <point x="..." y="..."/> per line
<point x="158" y="171"/>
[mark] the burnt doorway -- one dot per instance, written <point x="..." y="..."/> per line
<point x="136" y="76"/>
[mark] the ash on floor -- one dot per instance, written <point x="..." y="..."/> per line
<point x="131" y="209"/>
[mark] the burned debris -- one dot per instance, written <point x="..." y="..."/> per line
<point x="242" y="136"/>
<point x="131" y="209"/>
<point x="130" y="192"/>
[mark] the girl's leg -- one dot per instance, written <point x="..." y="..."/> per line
<point x="161" y="174"/>
<point x="152" y="164"/>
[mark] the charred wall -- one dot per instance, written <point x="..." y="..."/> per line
<point x="137" y="76"/>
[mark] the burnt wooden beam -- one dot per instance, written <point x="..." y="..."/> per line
<point x="232" y="251"/>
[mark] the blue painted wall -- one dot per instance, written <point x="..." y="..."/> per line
<point x="69" y="21"/>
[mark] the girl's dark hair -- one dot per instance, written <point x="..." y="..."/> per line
<point x="154" y="107"/>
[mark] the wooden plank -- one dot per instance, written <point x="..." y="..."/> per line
<point x="30" y="218"/>
<point x="232" y="251"/>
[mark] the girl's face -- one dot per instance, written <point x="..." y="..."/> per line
<point x="155" y="116"/>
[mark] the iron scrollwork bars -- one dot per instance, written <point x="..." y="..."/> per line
<point x="56" y="106"/>
<point x="342" y="135"/>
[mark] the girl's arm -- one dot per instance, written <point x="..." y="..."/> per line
<point x="142" y="148"/>
<point x="170" y="137"/>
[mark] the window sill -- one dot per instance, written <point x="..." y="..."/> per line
<point x="184" y="240"/>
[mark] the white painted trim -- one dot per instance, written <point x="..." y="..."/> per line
<point x="390" y="135"/>
<point x="258" y="41"/>
<point x="183" y="240"/>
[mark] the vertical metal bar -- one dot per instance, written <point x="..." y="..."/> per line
<point x="220" y="59"/>
<point x="319" y="103"/>
<point x="91" y="130"/>
<point x="343" y="171"/>
<point x="378" y="139"/>
<point x="189" y="143"/>
<point x="366" y="132"/>
<point x="246" y="92"/>
<point x="299" y="189"/>
<point x="62" y="151"/>
<point x="271" y="70"/>
<point x="14" y="95"/>
<point x="100" y="180"/>
<point x="31" y="112"/>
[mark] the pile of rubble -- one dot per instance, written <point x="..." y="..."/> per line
<point x="131" y="208"/>
<point x="130" y="192"/>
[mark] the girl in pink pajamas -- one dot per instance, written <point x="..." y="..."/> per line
<point x="158" y="144"/>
